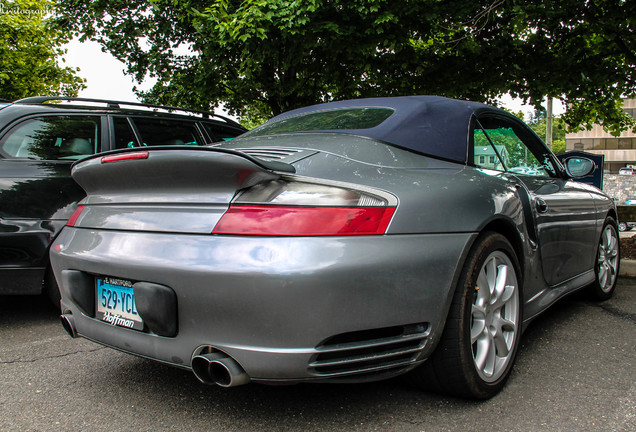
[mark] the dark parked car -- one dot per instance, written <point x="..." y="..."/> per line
<point x="39" y="141"/>
<point x="627" y="226"/>
<point x="345" y="242"/>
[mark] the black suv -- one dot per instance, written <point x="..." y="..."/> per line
<point x="40" y="138"/>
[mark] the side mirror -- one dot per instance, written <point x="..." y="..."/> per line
<point x="578" y="167"/>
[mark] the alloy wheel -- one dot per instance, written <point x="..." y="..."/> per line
<point x="495" y="317"/>
<point x="607" y="259"/>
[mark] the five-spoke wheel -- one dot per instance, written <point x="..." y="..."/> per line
<point x="495" y="316"/>
<point x="607" y="262"/>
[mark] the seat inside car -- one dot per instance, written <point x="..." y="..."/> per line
<point x="78" y="146"/>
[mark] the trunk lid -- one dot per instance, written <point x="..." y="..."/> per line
<point x="169" y="189"/>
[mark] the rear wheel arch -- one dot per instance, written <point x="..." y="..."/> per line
<point x="455" y="366"/>
<point x="500" y="226"/>
<point x="509" y="231"/>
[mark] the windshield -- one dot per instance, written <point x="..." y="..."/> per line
<point x="335" y="119"/>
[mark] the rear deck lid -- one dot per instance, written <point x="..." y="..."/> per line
<point x="171" y="189"/>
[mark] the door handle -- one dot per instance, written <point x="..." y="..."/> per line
<point x="542" y="206"/>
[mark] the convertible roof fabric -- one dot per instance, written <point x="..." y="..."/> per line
<point x="431" y="125"/>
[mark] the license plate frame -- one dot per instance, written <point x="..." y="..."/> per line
<point x="115" y="300"/>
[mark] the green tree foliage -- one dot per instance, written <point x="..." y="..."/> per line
<point x="29" y="52"/>
<point x="580" y="51"/>
<point x="263" y="57"/>
<point x="538" y="122"/>
<point x="558" y="132"/>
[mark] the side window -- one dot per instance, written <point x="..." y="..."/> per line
<point x="124" y="135"/>
<point x="158" y="132"/>
<point x="487" y="156"/>
<point x="53" y="137"/>
<point x="221" y="133"/>
<point x="511" y="146"/>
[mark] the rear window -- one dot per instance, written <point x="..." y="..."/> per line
<point x="221" y="133"/>
<point x="335" y="119"/>
<point x="161" y="132"/>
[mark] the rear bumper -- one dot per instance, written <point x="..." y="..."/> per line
<point x="21" y="281"/>
<point x="24" y="256"/>
<point x="286" y="309"/>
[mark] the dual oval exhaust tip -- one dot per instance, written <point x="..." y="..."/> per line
<point x="220" y="369"/>
<point x="212" y="368"/>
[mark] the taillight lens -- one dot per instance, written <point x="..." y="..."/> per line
<point x="304" y="221"/>
<point x="76" y="214"/>
<point x="294" y="208"/>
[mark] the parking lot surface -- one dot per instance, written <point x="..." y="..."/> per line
<point x="576" y="370"/>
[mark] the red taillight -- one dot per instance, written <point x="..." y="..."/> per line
<point x="76" y="214"/>
<point x="304" y="221"/>
<point x="125" y="156"/>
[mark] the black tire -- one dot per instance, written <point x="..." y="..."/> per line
<point x="458" y="366"/>
<point x="607" y="263"/>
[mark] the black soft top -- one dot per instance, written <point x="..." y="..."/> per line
<point x="430" y="125"/>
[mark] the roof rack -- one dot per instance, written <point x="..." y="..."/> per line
<point x="119" y="104"/>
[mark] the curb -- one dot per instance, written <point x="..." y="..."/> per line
<point x="628" y="268"/>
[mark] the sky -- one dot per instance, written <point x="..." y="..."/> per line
<point x="104" y="74"/>
<point x="105" y="78"/>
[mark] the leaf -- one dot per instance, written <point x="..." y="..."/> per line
<point x="282" y="54"/>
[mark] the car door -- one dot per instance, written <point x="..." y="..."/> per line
<point x="37" y="193"/>
<point x="563" y="212"/>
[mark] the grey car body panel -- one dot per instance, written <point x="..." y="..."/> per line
<point x="295" y="291"/>
<point x="270" y="303"/>
<point x="568" y="226"/>
<point x="557" y="263"/>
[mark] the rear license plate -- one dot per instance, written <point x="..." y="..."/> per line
<point x="116" y="303"/>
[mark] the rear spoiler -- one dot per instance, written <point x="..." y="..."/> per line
<point x="274" y="166"/>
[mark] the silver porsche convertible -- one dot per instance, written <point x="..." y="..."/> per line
<point x="345" y="242"/>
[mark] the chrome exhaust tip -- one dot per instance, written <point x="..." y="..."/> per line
<point x="220" y="369"/>
<point x="68" y="322"/>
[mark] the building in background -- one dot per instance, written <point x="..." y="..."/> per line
<point x="485" y="157"/>
<point x="619" y="151"/>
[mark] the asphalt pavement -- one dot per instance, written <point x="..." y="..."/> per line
<point x="575" y="372"/>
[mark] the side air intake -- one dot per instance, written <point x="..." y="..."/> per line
<point x="370" y="351"/>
